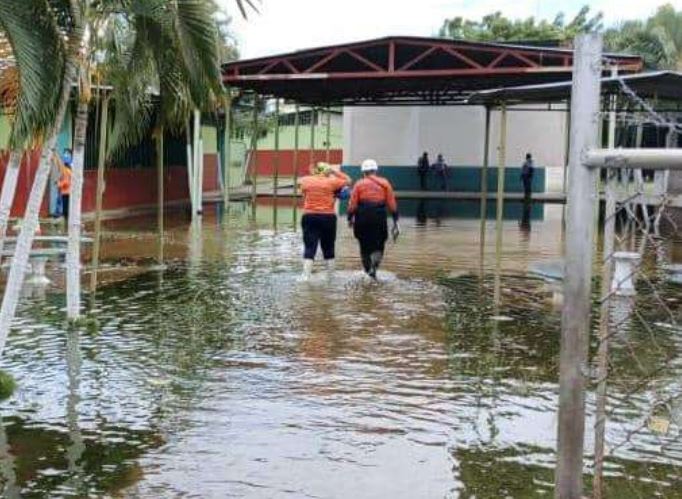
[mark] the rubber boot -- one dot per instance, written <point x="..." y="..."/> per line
<point x="375" y="258"/>
<point x="331" y="267"/>
<point x="307" y="269"/>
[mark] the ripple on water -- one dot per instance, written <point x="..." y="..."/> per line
<point x="225" y="375"/>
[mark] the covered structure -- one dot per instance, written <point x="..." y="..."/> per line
<point x="659" y="92"/>
<point x="403" y="71"/>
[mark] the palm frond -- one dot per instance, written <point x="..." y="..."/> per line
<point x="38" y="49"/>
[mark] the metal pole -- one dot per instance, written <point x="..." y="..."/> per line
<point x="297" y="122"/>
<point x="275" y="172"/>
<point x="312" y="136"/>
<point x="484" y="185"/>
<point x="329" y="135"/>
<point x="227" y="150"/>
<point x="501" y="161"/>
<point x="604" y="325"/>
<point x="254" y="150"/>
<point x="575" y="323"/>
<point x="160" y="193"/>
<point x="103" y="127"/>
<point x="567" y="145"/>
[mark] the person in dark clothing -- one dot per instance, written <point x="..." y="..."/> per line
<point x="423" y="166"/>
<point x="370" y="202"/>
<point x="441" y="170"/>
<point x="527" y="171"/>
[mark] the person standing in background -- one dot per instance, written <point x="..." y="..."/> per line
<point x="527" y="171"/>
<point x="423" y="167"/>
<point x="441" y="170"/>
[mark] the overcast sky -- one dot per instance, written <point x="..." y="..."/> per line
<point x="286" y="25"/>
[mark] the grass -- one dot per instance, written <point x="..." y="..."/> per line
<point x="7" y="385"/>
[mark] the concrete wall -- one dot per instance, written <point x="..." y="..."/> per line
<point x="397" y="136"/>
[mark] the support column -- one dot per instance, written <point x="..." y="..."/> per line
<point x="252" y="158"/>
<point x="103" y="128"/>
<point x="329" y="135"/>
<point x="575" y="323"/>
<point x="501" y="161"/>
<point x="484" y="185"/>
<point x="297" y="123"/>
<point x="567" y="145"/>
<point x="227" y="150"/>
<point x="275" y="172"/>
<point x="312" y="136"/>
<point x="160" y="195"/>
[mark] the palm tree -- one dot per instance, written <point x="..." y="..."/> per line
<point x="177" y="39"/>
<point x="658" y="39"/>
<point x="28" y="91"/>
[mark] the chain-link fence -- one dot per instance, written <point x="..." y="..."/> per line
<point x="637" y="362"/>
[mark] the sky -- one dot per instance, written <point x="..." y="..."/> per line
<point x="287" y="25"/>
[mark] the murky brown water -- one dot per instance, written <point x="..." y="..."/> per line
<point x="223" y="376"/>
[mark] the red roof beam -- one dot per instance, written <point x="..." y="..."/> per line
<point x="364" y="60"/>
<point x="462" y="57"/>
<point x="420" y="57"/>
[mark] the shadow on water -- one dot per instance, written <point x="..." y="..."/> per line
<point x="225" y="373"/>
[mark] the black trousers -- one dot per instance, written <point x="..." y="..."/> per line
<point x="371" y="230"/>
<point x="65" y="206"/>
<point x="319" y="230"/>
<point x="527" y="186"/>
<point x="422" y="180"/>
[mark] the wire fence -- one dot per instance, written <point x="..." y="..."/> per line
<point x="637" y="367"/>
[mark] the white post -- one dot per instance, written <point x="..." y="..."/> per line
<point x="575" y="325"/>
<point x="197" y="163"/>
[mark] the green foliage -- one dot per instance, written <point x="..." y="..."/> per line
<point x="7" y="385"/>
<point x="496" y="27"/>
<point x="658" y="39"/>
<point x="38" y="49"/>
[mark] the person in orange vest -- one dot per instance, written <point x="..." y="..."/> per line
<point x="370" y="203"/>
<point x="64" y="182"/>
<point x="320" y="190"/>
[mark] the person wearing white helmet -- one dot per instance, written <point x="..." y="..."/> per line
<point x="370" y="203"/>
<point x="320" y="190"/>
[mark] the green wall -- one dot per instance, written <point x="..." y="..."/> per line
<point x="286" y="137"/>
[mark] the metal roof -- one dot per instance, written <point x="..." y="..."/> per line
<point x="403" y="70"/>
<point x="663" y="85"/>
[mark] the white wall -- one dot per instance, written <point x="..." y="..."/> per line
<point x="397" y="136"/>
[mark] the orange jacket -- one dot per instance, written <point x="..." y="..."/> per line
<point x="319" y="192"/>
<point x="64" y="182"/>
<point x="374" y="190"/>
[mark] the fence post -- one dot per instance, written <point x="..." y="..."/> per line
<point x="575" y="323"/>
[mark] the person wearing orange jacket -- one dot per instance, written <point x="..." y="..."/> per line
<point x="64" y="182"/>
<point x="320" y="190"/>
<point x="370" y="202"/>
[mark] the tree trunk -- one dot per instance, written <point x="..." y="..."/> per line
<point x="100" y="193"/>
<point x="15" y="279"/>
<point x="73" y="251"/>
<point x="9" y="187"/>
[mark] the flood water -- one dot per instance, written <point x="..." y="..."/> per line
<point x="224" y="376"/>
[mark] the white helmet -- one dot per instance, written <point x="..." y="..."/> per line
<point x="369" y="165"/>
